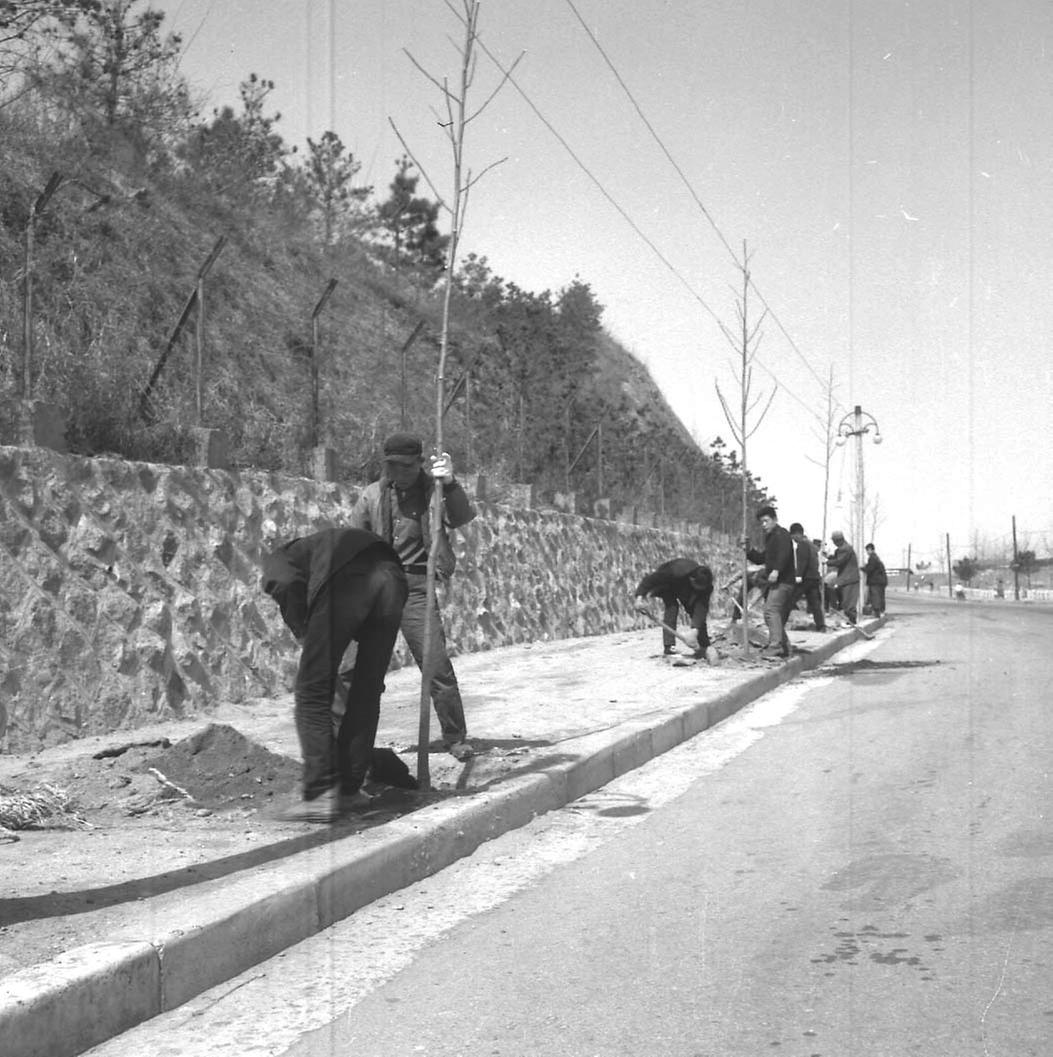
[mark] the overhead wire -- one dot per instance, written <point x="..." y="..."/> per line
<point x="687" y="184"/>
<point x="599" y="185"/>
<point x="200" y="25"/>
<point x="621" y="211"/>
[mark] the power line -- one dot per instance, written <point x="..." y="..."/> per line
<point x="599" y="186"/>
<point x="622" y="212"/>
<point x="672" y="161"/>
<point x="193" y="36"/>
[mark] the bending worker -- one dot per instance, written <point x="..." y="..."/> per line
<point x="334" y="586"/>
<point x="680" y="582"/>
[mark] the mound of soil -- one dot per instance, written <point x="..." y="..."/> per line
<point x="219" y="767"/>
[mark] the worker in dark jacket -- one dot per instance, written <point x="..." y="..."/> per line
<point x="333" y="587"/>
<point x="809" y="582"/>
<point x="877" y="581"/>
<point x="846" y="565"/>
<point x="680" y="582"/>
<point x="781" y="574"/>
<point x="397" y="508"/>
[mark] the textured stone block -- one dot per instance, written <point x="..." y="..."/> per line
<point x="211" y="450"/>
<point x="140" y="585"/>
<point x="323" y="464"/>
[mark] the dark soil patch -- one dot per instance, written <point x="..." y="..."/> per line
<point x="219" y="767"/>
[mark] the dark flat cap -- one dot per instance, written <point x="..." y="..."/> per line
<point x="402" y="447"/>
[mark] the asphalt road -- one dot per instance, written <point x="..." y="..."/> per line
<point x="859" y="865"/>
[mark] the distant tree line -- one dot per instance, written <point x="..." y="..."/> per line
<point x="91" y="90"/>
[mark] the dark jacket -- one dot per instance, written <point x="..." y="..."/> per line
<point x="682" y="580"/>
<point x="875" y="572"/>
<point x="845" y="563"/>
<point x="777" y="555"/>
<point x="807" y="561"/>
<point x="375" y="506"/>
<point x="296" y="572"/>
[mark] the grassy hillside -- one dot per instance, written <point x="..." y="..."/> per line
<point x="116" y="256"/>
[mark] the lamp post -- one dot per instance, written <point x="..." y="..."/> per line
<point x="858" y="423"/>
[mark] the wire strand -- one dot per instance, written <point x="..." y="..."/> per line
<point x="687" y="184"/>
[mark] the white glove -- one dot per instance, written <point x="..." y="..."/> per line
<point x="442" y="467"/>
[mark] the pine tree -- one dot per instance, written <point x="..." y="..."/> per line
<point x="410" y="221"/>
<point x="235" y="151"/>
<point x="113" y="69"/>
<point x="329" y="173"/>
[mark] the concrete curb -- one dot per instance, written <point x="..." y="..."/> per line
<point x="89" y="994"/>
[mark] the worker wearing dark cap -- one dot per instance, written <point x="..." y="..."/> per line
<point x="396" y="507"/>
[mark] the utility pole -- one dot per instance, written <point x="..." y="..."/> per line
<point x="402" y="371"/>
<point x="35" y="211"/>
<point x="184" y="316"/>
<point x="908" y="568"/>
<point x="315" y="413"/>
<point x="1016" y="565"/>
<point x="950" y="586"/>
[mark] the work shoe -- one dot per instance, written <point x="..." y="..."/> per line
<point x="355" y="802"/>
<point x="461" y="751"/>
<point x="324" y="808"/>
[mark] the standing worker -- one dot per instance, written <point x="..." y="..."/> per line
<point x="333" y="587"/>
<point x="680" y="582"/>
<point x="845" y="563"/>
<point x="397" y="508"/>
<point x="877" y="581"/>
<point x="781" y="575"/>
<point x="808" y="581"/>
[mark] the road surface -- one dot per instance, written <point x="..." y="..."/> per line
<point x="858" y="865"/>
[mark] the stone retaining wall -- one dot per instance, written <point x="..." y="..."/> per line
<point x="129" y="592"/>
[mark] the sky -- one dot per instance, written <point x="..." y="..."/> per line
<point x="886" y="165"/>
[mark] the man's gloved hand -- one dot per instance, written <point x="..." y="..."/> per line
<point x="640" y="604"/>
<point x="691" y="638"/>
<point x="442" y="468"/>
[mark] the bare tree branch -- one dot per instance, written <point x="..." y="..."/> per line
<point x="421" y="169"/>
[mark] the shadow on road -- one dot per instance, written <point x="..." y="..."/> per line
<point x="864" y="667"/>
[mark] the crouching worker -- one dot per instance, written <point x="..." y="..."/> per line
<point x="332" y="587"/>
<point x="680" y="582"/>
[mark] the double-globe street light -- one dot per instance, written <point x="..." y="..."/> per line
<point x="857" y="423"/>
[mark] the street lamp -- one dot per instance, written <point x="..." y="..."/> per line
<point x="856" y="424"/>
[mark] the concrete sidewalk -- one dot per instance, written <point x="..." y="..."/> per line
<point x="551" y="722"/>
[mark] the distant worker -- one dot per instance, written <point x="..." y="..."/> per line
<point x="396" y="507"/>
<point x="781" y="576"/>
<point x="333" y="587"/>
<point x="877" y="581"/>
<point x="846" y="565"/>
<point x="808" y="581"/>
<point x="828" y="592"/>
<point x="680" y="582"/>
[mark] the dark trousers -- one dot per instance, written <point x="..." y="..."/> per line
<point x="876" y="598"/>
<point x="445" y="691"/>
<point x="696" y="619"/>
<point x="777" y="606"/>
<point x="363" y="602"/>
<point x="850" y="601"/>
<point x="810" y="591"/>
